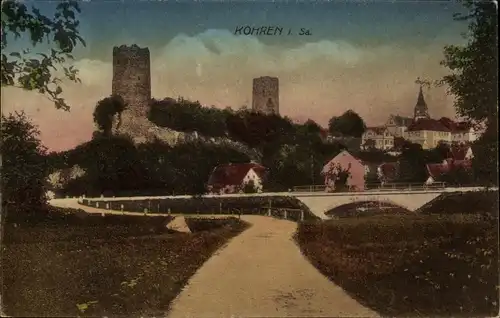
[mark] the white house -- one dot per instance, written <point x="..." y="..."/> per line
<point x="233" y="177"/>
<point x="398" y="125"/>
<point x="377" y="137"/>
<point x="428" y="133"/>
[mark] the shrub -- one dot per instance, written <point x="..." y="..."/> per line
<point x="23" y="165"/>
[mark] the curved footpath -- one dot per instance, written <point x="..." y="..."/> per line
<point x="261" y="272"/>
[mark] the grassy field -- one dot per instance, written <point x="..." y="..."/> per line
<point x="113" y="266"/>
<point x="442" y="264"/>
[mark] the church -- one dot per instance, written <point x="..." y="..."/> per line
<point x="420" y="129"/>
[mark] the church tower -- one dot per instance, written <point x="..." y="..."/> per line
<point x="421" y="111"/>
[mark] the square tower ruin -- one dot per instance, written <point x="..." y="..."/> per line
<point x="132" y="81"/>
<point x="265" y="95"/>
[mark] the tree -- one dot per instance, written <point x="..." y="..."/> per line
<point x="35" y="70"/>
<point x="457" y="175"/>
<point x="474" y="79"/>
<point x="250" y="187"/>
<point x="23" y="164"/>
<point x="369" y="144"/>
<point x="105" y="111"/>
<point x="349" y="124"/>
<point x="413" y="161"/>
<point x="337" y="178"/>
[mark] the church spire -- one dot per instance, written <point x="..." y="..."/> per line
<point x="421" y="110"/>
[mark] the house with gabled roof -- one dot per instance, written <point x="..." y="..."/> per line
<point x="428" y="133"/>
<point x="344" y="162"/>
<point x="233" y="177"/>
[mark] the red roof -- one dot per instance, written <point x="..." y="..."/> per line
<point x="233" y="173"/>
<point x="438" y="169"/>
<point x="428" y="124"/>
<point x="455" y="126"/>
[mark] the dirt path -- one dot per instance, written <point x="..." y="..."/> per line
<point x="262" y="273"/>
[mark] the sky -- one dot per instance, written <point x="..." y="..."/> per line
<point x="360" y="55"/>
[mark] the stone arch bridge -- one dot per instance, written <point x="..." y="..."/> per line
<point x="320" y="202"/>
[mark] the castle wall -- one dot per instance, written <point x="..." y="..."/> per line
<point x="265" y="95"/>
<point x="132" y="81"/>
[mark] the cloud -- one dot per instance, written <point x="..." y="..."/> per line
<point x="317" y="80"/>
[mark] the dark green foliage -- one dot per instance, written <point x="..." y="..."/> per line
<point x="481" y="202"/>
<point x="115" y="166"/>
<point x="457" y="175"/>
<point x="104" y="112"/>
<point x="485" y="161"/>
<point x="23" y="164"/>
<point x="349" y="124"/>
<point x="33" y="70"/>
<point x="412" y="163"/>
<point x="187" y="116"/>
<point x="257" y="130"/>
<point x="473" y="81"/>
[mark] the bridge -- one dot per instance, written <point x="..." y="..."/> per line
<point x="321" y="202"/>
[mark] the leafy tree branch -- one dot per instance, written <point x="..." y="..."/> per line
<point x="32" y="70"/>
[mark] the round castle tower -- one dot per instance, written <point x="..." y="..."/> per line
<point x="265" y="95"/>
<point x="132" y="81"/>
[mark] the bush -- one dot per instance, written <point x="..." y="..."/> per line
<point x="23" y="164"/>
<point x="475" y="202"/>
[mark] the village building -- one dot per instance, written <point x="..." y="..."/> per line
<point x="377" y="138"/>
<point x="437" y="171"/>
<point x="398" y="125"/>
<point x="461" y="132"/>
<point x="235" y="177"/>
<point x="342" y="163"/>
<point x="428" y="133"/>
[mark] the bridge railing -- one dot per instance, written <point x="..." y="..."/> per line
<point x="393" y="186"/>
<point x="400" y="186"/>
<point x="310" y="188"/>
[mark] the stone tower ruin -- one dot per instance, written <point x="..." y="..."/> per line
<point x="132" y="81"/>
<point x="265" y="95"/>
